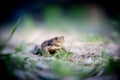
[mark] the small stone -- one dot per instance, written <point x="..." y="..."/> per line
<point x="89" y="61"/>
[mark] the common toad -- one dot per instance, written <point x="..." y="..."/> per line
<point x="51" y="46"/>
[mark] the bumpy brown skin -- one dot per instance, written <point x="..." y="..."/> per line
<point x="52" y="45"/>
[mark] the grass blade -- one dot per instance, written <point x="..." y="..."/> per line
<point x="2" y="45"/>
<point x="15" y="27"/>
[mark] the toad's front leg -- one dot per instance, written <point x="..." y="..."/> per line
<point x="63" y="48"/>
<point x="46" y="50"/>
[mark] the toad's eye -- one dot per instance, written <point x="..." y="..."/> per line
<point x="56" y="38"/>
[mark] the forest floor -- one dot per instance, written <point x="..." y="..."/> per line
<point x="88" y="56"/>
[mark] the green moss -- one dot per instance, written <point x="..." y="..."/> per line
<point x="63" y="55"/>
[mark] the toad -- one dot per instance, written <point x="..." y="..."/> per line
<point x="51" y="46"/>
